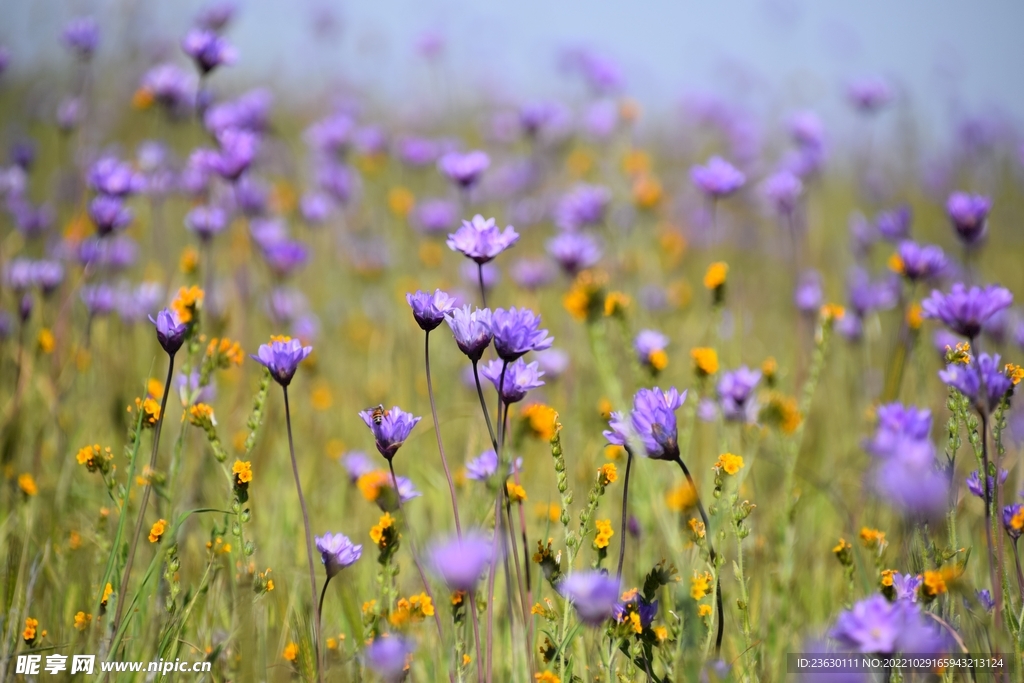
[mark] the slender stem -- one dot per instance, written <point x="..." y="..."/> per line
<point x="625" y="499"/>
<point x="437" y="433"/>
<point x="480" y="278"/>
<point x="519" y="573"/>
<point x="997" y="587"/>
<point x="320" y="606"/>
<point x="476" y="637"/>
<point x="1020" y="575"/>
<point x="490" y="585"/>
<point x="309" y="538"/>
<point x="483" y="407"/>
<point x="416" y="559"/>
<point x="145" y="498"/>
<point x="711" y="554"/>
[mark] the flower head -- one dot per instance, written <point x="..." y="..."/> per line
<point x="82" y="36"/>
<point x="519" y="378"/>
<point x="574" y="251"/>
<point x="594" y="594"/>
<point x="969" y="215"/>
<point x="734" y="392"/>
<point x="984" y="370"/>
<point x="894" y="225"/>
<point x="649" y="346"/>
<point x="965" y="311"/>
<point x="718" y="178"/>
<point x="875" y="625"/>
<point x="430" y="309"/>
<point x="652" y="420"/>
<point x="471" y="329"/>
<point x="337" y="552"/>
<point x="390" y="428"/>
<point x="464" y="169"/>
<point x="916" y="262"/>
<point x="869" y="94"/>
<point x="783" y="191"/>
<point x="481" y="239"/>
<point x="208" y="49"/>
<point x="377" y="486"/>
<point x="1013" y="520"/>
<point x="977" y="488"/>
<point x="582" y="206"/>
<point x="282" y="358"/>
<point x="516" y="332"/>
<point x="387" y="656"/>
<point x="170" y="331"/>
<point x="206" y="221"/>
<point x="109" y="214"/>
<point x="460" y="562"/>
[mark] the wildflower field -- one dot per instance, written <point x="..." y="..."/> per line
<point x="524" y="391"/>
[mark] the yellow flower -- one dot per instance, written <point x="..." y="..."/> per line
<point x="225" y="352"/>
<point x="607" y="473"/>
<point x="189" y="261"/>
<point x="188" y="300"/>
<point x="658" y="359"/>
<point x="538" y="609"/>
<point x="321" y="399"/>
<point x="616" y="303"/>
<point x="614" y="451"/>
<point x="934" y="583"/>
<point x="82" y="621"/>
<point x="895" y="264"/>
<point x="108" y="590"/>
<point x="697" y="527"/>
<point x="466" y="660"/>
<point x="242" y="472"/>
<point x="29" y="634"/>
<point x="142" y="99"/>
<point x="704" y="611"/>
<point x="769" y="367"/>
<point x="715" y="275"/>
<point x="201" y="415"/>
<point x="27" y="484"/>
<point x="782" y="412"/>
<point x="400" y="201"/>
<point x="46" y="341"/>
<point x="413" y="609"/>
<point x="700" y="585"/>
<point x="604" y="408"/>
<point x="1017" y="521"/>
<point x="516" y="493"/>
<point x="730" y="463"/>
<point x="634" y="622"/>
<point x="873" y="538"/>
<point x="74" y="540"/>
<point x="831" y="312"/>
<point x="157" y="530"/>
<point x="371" y="483"/>
<point x="604" y="533"/>
<point x="705" y="360"/>
<point x="841" y="547"/>
<point x="377" y="533"/>
<point x="541" y="419"/>
<point x="585" y="299"/>
<point x="1014" y="372"/>
<point x="291" y="652"/>
<point x="661" y="633"/>
<point x="549" y="511"/>
<point x="636" y="162"/>
<point x="368" y="606"/>
<point x="546" y="677"/>
<point x="150" y="411"/>
<point x="270" y="585"/>
<point x="915" y="316"/>
<point x="332" y="643"/>
<point x="681" y="497"/>
<point x="886" y="578"/>
<point x="647" y="191"/>
<point x="458" y="597"/>
<point x="154" y="388"/>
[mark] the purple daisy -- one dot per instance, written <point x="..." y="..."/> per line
<point x="430" y="309"/>
<point x="652" y="421"/>
<point x="390" y="428"/>
<point x="516" y="333"/>
<point x="337" y="552"/>
<point x="969" y="215"/>
<point x="464" y="169"/>
<point x="717" y="178"/>
<point x="920" y="262"/>
<point x="594" y="594"/>
<point x="208" y="49"/>
<point x="282" y="358"/>
<point x="964" y="310"/>
<point x="170" y="331"/>
<point x="471" y="329"/>
<point x="574" y="251"/>
<point x="735" y="390"/>
<point x="460" y="562"/>
<point x="481" y="240"/>
<point x="387" y="656"/>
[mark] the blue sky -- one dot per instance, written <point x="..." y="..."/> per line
<point x="945" y="55"/>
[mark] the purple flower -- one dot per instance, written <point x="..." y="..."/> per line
<point x="906" y="585"/>
<point x="387" y="655"/>
<point x="734" y="392"/>
<point x="876" y="626"/>
<point x="111" y="176"/>
<point x="652" y="421"/>
<point x="968" y="379"/>
<point x="866" y="296"/>
<point x="286" y="256"/>
<point x="965" y="310"/>
<point x="357" y="464"/>
<point x="315" y="207"/>
<point x="237" y="151"/>
<point x="975" y="486"/>
<point x="337" y="552"/>
<point x="216" y="16"/>
<point x="134" y="304"/>
<point x="282" y="358"/>
<point x="390" y="429"/>
<point x="170" y="331"/>
<point x="647" y="611"/>
<point x="921" y="262"/>
<point x="171" y="87"/>
<point x="912" y="482"/>
<point x="646" y="345"/>
<point x="985" y="599"/>
<point x="897" y="426"/>
<point x="532" y="274"/>
<point x="483" y="466"/>
<point x="208" y="49"/>
<point x="783" y="191"/>
<point x="109" y="214"/>
<point x="249" y="111"/>
<point x="1010" y="512"/>
<point x="464" y="169"/>
<point x="594" y="594"/>
<point x="718" y="178"/>
<point x="69" y="114"/>
<point x="574" y="251"/>
<point x="516" y="333"/>
<point x="19" y="274"/>
<point x="434" y="216"/>
<point x="430" y="309"/>
<point x="471" y="329"/>
<point x="331" y="135"/>
<point x="809" y="295"/>
<point x="582" y="206"/>
<point x="460" y="562"/>
<point x="82" y="36"/>
<point x="969" y="215"/>
<point x="869" y="94"/>
<point x="894" y="226"/>
<point x="98" y="299"/>
<point x="520" y="377"/>
<point x="190" y="392"/>
<point x="553" y="362"/>
<point x="807" y="129"/>
<point x="481" y="240"/>
<point x="417" y="151"/>
<point x="206" y="221"/>
<point x="30" y="220"/>
<point x="48" y="275"/>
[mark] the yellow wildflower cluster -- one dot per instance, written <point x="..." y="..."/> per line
<point x="546" y="677"/>
<point x="31" y="631"/>
<point x="371" y="483"/>
<point x="108" y="590"/>
<point x="700" y="585"/>
<point x="150" y="410"/>
<point x="188" y="263"/>
<point x="585" y="299"/>
<point x="915" y="316"/>
<point x="93" y="457"/>
<point x="188" y="300"/>
<point x="616" y="304"/>
<point x="46" y="341"/>
<point x="782" y="412"/>
<point x="716" y="274"/>
<point x="547" y="511"/>
<point x="961" y="353"/>
<point x="412" y="610"/>
<point x="383" y="531"/>
<point x="541" y="419"/>
<point x="831" y="312"/>
<point x="291" y="652"/>
<point x="242" y="472"/>
<point x="705" y="360"/>
<point x="729" y="463"/>
<point x="607" y="474"/>
<point x="157" y="530"/>
<point x="82" y="621"/>
<point x="934" y="584"/>
<point x="873" y="539"/>
<point x="516" y="493"/>
<point x="604" y="533"/>
<point x="697" y="528"/>
<point x="681" y="497"/>
<point x="224" y="352"/>
<point x="1014" y="372"/>
<point x="27" y="484"/>
<point x="201" y="415"/>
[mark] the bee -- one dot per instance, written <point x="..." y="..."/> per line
<point x="378" y="414"/>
